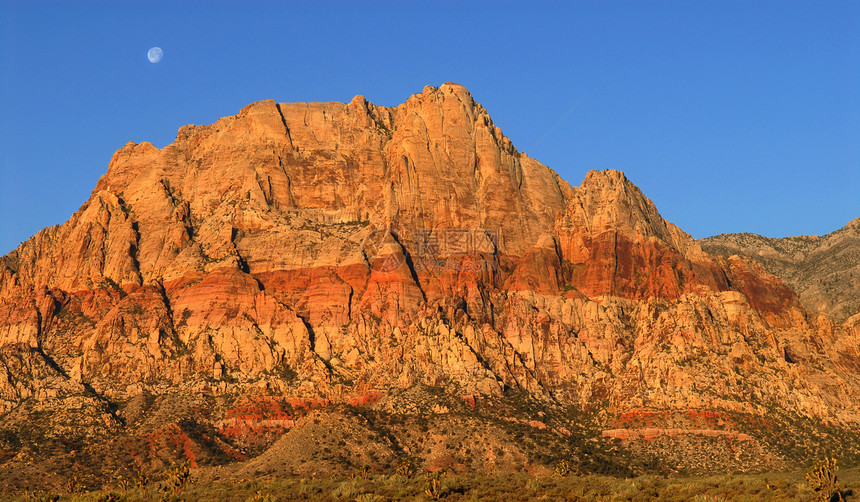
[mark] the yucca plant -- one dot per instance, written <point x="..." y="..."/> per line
<point x="822" y="479"/>
<point x="433" y="486"/>
<point x="176" y="478"/>
<point x="562" y="469"/>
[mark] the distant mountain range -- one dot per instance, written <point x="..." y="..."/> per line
<point x="824" y="271"/>
<point x="325" y="287"/>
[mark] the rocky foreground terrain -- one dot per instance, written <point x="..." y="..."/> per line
<point x="325" y="287"/>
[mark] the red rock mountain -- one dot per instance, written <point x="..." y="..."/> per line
<point x="329" y="252"/>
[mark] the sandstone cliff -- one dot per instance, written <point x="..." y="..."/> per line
<point x="341" y="252"/>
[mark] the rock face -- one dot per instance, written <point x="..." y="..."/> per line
<point x="825" y="271"/>
<point x="341" y="252"/>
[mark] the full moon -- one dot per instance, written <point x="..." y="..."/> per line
<point x="155" y="54"/>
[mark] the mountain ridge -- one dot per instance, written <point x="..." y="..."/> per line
<point x="824" y="270"/>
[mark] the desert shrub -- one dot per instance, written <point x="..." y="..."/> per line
<point x="74" y="484"/>
<point x="368" y="497"/>
<point x="141" y="480"/>
<point x="110" y="497"/>
<point x="405" y="469"/>
<point x="822" y="479"/>
<point x="259" y="496"/>
<point x="43" y="497"/>
<point x="562" y="469"/>
<point x="122" y="483"/>
<point x="361" y="473"/>
<point x="175" y="480"/>
<point x="433" y="485"/>
<point x="347" y="489"/>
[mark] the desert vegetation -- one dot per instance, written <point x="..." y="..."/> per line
<point x="818" y="483"/>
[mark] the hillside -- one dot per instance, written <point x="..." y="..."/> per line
<point x="824" y="270"/>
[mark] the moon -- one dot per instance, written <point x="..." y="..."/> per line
<point x="154" y="55"/>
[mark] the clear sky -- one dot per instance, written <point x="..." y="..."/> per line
<point x="732" y="116"/>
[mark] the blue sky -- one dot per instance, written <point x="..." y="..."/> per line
<point x="732" y="116"/>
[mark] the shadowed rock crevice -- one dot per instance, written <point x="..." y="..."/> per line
<point x="106" y="405"/>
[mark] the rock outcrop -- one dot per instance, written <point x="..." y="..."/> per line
<point x="331" y="252"/>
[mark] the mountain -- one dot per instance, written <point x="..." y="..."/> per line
<point x="825" y="270"/>
<point x="313" y="287"/>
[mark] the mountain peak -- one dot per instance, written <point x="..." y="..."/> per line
<point x="448" y="88"/>
<point x="608" y="200"/>
<point x="611" y="176"/>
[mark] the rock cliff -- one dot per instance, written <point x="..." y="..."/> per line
<point x="347" y="253"/>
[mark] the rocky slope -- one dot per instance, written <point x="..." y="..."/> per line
<point x="320" y="255"/>
<point x="824" y="270"/>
